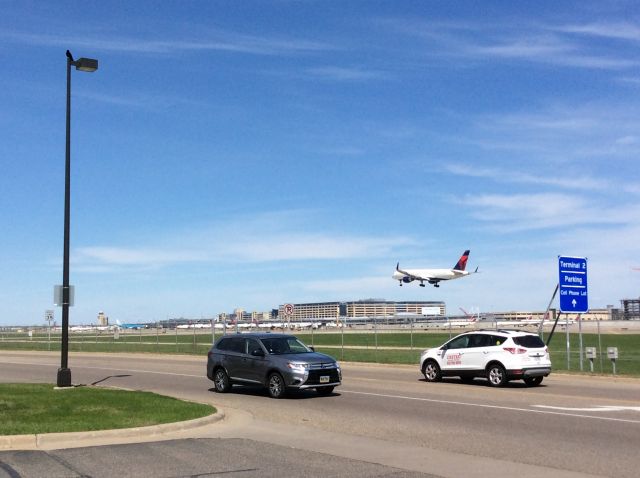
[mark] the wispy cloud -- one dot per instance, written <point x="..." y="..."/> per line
<point x="579" y="182"/>
<point x="551" y="50"/>
<point x="250" y="242"/>
<point x="354" y="287"/>
<point x="620" y="30"/>
<point x="566" y="132"/>
<point x="336" y="73"/>
<point x="522" y="212"/>
<point x="222" y="41"/>
<point x="547" y="44"/>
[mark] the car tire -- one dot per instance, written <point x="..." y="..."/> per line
<point x="276" y="386"/>
<point x="496" y="375"/>
<point x="325" y="390"/>
<point x="431" y="371"/>
<point x="533" y="381"/>
<point x="221" y="381"/>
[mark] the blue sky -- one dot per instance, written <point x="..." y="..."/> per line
<point x="249" y="154"/>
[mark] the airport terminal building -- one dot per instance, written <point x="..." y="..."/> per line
<point x="359" y="309"/>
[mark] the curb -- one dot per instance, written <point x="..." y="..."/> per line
<point x="51" y="441"/>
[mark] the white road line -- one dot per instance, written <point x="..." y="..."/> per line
<point x="599" y="408"/>
<point x="482" y="405"/>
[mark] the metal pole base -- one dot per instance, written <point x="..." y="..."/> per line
<point x="64" y="377"/>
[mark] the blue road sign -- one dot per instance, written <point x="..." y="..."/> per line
<point x="574" y="295"/>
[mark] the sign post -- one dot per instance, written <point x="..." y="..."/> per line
<point x="48" y="316"/>
<point x="288" y="312"/>
<point x="574" y="296"/>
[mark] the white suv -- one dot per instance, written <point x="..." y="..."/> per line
<point x="497" y="355"/>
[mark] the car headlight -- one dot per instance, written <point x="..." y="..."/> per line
<point x="298" y="367"/>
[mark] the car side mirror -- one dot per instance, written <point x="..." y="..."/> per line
<point x="257" y="353"/>
<point x="313" y="349"/>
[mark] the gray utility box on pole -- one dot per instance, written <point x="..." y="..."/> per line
<point x="612" y="353"/>
<point x="591" y="354"/>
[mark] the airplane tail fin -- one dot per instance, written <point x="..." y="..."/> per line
<point x="462" y="262"/>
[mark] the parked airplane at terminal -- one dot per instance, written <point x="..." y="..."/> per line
<point x="433" y="276"/>
<point x="131" y="326"/>
<point x="459" y="322"/>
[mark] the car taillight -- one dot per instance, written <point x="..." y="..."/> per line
<point x="514" y="350"/>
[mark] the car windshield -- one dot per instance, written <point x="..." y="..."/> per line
<point x="284" y="345"/>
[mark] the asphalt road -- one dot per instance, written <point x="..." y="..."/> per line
<point x="390" y="417"/>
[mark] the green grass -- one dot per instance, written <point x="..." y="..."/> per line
<point x="383" y="347"/>
<point x="628" y="348"/>
<point x="39" y="408"/>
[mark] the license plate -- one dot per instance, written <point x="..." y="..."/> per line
<point x="324" y="379"/>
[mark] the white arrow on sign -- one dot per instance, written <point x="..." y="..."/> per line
<point x="573" y="302"/>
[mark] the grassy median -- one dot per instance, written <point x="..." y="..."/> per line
<point x="39" y="408"/>
<point x="366" y="346"/>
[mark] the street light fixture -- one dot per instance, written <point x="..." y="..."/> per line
<point x="64" y="373"/>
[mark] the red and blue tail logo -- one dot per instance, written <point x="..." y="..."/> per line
<point x="462" y="262"/>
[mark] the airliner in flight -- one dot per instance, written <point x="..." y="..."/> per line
<point x="433" y="276"/>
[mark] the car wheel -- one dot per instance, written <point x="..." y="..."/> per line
<point x="276" y="386"/>
<point x="325" y="390"/>
<point x="221" y="381"/>
<point x="431" y="371"/>
<point x="533" y="381"/>
<point x="497" y="375"/>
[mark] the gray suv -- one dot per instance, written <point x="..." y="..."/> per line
<point x="279" y="362"/>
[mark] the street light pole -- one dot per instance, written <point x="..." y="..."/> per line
<point x="64" y="372"/>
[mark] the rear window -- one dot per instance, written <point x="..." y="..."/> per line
<point x="224" y="344"/>
<point x="234" y="344"/>
<point x="529" y="341"/>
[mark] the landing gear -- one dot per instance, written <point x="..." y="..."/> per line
<point x="421" y="284"/>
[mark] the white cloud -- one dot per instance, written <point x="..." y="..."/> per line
<point x="517" y="176"/>
<point x="346" y="74"/>
<point x="547" y="44"/>
<point x="620" y="30"/>
<point x="217" y="41"/>
<point x="521" y="212"/>
<point x="271" y="237"/>
<point x="352" y="287"/>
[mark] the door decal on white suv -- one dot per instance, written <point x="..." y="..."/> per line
<point x="454" y="359"/>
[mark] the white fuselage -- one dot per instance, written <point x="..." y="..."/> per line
<point x="426" y="274"/>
